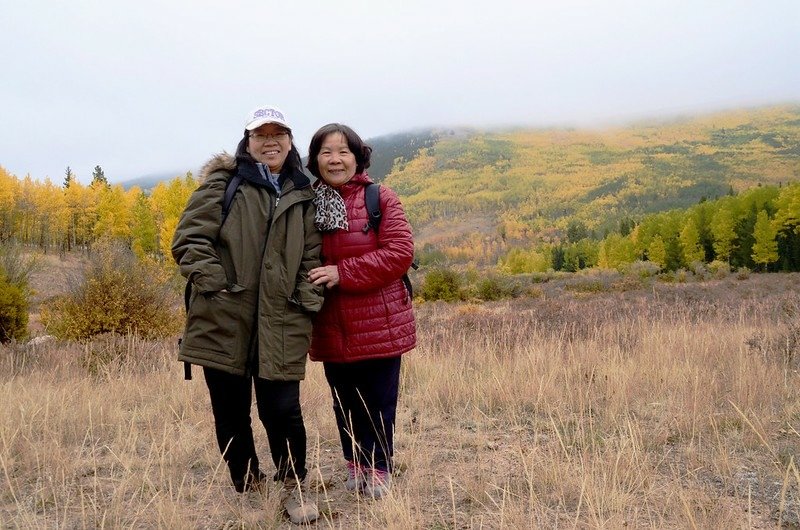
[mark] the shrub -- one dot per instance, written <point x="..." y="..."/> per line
<point x="13" y="310"/>
<point x="720" y="269"/>
<point x="15" y="272"/>
<point x="533" y="291"/>
<point x="678" y="276"/>
<point x="118" y="295"/>
<point x="17" y="268"/>
<point x="441" y="284"/>
<point x="700" y="271"/>
<point x="586" y="285"/>
<point x="682" y="275"/>
<point x="496" y="288"/>
<point x="643" y="269"/>
<point x="520" y="261"/>
<point x="629" y="283"/>
<point x="541" y="277"/>
<point x="742" y="273"/>
<point x="667" y="277"/>
<point x="430" y="256"/>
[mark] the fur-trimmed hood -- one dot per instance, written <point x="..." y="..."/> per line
<point x="220" y="162"/>
<point x="227" y="163"/>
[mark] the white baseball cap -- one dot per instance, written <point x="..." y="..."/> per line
<point x="265" y="114"/>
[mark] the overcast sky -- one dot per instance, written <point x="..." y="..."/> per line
<point x="160" y="85"/>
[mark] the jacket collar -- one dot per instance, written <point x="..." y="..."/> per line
<point x="248" y="170"/>
<point x="358" y="181"/>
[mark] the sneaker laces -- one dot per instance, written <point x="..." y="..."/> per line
<point x="377" y="476"/>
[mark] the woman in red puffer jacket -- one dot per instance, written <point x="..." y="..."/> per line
<point x="366" y="322"/>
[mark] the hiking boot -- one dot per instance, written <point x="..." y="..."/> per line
<point x="355" y="476"/>
<point x="376" y="482"/>
<point x="297" y="503"/>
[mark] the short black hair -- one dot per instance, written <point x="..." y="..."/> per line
<point x="292" y="162"/>
<point x="362" y="151"/>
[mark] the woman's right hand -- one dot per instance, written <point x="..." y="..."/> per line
<point x="327" y="276"/>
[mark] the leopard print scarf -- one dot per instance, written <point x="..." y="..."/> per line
<point x="331" y="212"/>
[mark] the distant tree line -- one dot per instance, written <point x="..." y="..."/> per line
<point x="758" y="229"/>
<point x="74" y="216"/>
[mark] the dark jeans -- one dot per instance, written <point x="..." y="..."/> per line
<point x="278" y="404"/>
<point x="365" y="403"/>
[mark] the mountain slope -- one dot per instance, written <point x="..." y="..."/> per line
<point x="527" y="185"/>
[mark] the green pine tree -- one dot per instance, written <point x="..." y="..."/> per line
<point x="69" y="176"/>
<point x="99" y="176"/>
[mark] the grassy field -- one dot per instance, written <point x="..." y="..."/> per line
<point x="667" y="406"/>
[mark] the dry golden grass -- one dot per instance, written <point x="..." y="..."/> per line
<point x="677" y="406"/>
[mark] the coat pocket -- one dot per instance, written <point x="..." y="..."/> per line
<point x="296" y="337"/>
<point x="214" y="323"/>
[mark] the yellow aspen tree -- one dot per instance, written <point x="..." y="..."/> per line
<point x="8" y="190"/>
<point x="616" y="251"/>
<point x="765" y="248"/>
<point x="690" y="243"/>
<point x="73" y="205"/>
<point x="657" y="251"/>
<point x="49" y="205"/>
<point x="26" y="210"/>
<point x="143" y="226"/>
<point x="166" y="232"/>
<point x="723" y="230"/>
<point x="169" y="201"/>
<point x="787" y="216"/>
<point x="113" y="214"/>
<point x="81" y="207"/>
<point x="602" y="256"/>
<point x="91" y="212"/>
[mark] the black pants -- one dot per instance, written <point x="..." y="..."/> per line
<point x="278" y="404"/>
<point x="365" y="403"/>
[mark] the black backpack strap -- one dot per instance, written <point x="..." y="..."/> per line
<point x="409" y="288"/>
<point x="187" y="294"/>
<point x="372" y="199"/>
<point x="230" y="191"/>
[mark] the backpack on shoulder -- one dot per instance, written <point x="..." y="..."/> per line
<point x="372" y="198"/>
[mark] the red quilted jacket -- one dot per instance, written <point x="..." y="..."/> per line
<point x="369" y="314"/>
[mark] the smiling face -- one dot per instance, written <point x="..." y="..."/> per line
<point x="337" y="164"/>
<point x="270" y="144"/>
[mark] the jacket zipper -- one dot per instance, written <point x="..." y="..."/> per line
<point x="253" y="350"/>
<point x="252" y="354"/>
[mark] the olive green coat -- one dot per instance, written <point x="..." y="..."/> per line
<point x="251" y="302"/>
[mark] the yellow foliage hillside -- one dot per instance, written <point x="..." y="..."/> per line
<point x="527" y="185"/>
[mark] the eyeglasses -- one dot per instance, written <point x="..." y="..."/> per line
<point x="264" y="138"/>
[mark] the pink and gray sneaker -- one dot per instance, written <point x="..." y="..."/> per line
<point x="354" y="476"/>
<point x="377" y="483"/>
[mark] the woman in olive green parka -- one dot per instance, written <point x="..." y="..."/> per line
<point x="258" y="262"/>
<point x="249" y="315"/>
